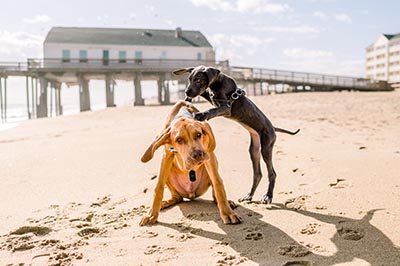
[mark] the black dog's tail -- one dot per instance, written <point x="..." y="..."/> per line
<point x="277" y="129"/>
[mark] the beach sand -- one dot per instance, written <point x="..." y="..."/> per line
<point x="73" y="189"/>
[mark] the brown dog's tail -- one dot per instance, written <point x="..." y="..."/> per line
<point x="277" y="129"/>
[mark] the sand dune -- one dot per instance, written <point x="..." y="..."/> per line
<point x="73" y="189"/>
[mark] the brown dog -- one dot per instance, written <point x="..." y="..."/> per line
<point x="189" y="165"/>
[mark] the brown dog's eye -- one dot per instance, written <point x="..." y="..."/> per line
<point x="198" y="135"/>
<point x="179" y="140"/>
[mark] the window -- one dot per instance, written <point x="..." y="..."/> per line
<point x="106" y="57"/>
<point x="122" y="56"/>
<point x="66" y="56"/>
<point x="199" y="56"/>
<point x="83" y="56"/>
<point x="138" y="57"/>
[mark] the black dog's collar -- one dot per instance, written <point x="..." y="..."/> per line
<point x="237" y="93"/>
<point x="231" y="98"/>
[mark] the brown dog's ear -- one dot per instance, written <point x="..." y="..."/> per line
<point x="212" y="74"/>
<point x="183" y="71"/>
<point x="161" y="139"/>
<point x="209" y="137"/>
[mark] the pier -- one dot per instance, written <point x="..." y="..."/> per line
<point x="45" y="76"/>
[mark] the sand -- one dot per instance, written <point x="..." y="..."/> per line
<point x="73" y="189"/>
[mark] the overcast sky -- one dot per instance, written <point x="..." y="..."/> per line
<point x="323" y="36"/>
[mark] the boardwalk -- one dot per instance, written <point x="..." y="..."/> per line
<point x="51" y="73"/>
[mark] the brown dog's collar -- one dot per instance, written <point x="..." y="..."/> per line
<point x="192" y="175"/>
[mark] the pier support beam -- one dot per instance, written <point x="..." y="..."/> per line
<point x="59" y="108"/>
<point x="42" y="110"/>
<point x="28" y="108"/>
<point x="84" y="95"/>
<point x="109" y="91"/>
<point x="3" y="99"/>
<point x="163" y="90"/>
<point x="138" y="89"/>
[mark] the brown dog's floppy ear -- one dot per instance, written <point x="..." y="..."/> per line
<point x="183" y="71"/>
<point x="212" y="74"/>
<point x="209" y="137"/>
<point x="161" y="139"/>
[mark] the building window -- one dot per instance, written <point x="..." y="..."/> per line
<point x="66" y="56"/>
<point x="138" y="57"/>
<point x="106" y="57"/>
<point x="83" y="56"/>
<point x="122" y="56"/>
<point x="199" y="56"/>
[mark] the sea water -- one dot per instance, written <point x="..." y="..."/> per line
<point x="123" y="96"/>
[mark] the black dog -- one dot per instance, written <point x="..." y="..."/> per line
<point x="221" y="91"/>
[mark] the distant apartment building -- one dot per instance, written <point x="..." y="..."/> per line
<point x="383" y="58"/>
<point x="106" y="46"/>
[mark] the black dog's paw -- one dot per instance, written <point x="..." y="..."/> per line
<point x="201" y="116"/>
<point x="266" y="199"/>
<point x="248" y="197"/>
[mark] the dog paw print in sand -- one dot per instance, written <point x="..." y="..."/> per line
<point x="298" y="203"/>
<point x="350" y="231"/>
<point x="339" y="183"/>
<point x="41" y="240"/>
<point x="253" y="233"/>
<point x="24" y="238"/>
<point x="297" y="263"/>
<point x="293" y="250"/>
<point x="163" y="254"/>
<point x="101" y="201"/>
<point x="229" y="259"/>
<point x="310" y="229"/>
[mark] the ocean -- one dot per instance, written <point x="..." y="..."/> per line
<point x="123" y="96"/>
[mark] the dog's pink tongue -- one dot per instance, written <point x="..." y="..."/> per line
<point x="192" y="176"/>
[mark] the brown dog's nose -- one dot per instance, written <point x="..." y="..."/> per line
<point x="197" y="154"/>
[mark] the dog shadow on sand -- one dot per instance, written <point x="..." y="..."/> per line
<point x="265" y="244"/>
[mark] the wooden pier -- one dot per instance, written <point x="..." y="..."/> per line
<point x="44" y="74"/>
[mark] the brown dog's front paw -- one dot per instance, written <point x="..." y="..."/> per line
<point x="231" y="218"/>
<point x="148" y="220"/>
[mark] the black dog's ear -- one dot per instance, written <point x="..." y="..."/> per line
<point x="212" y="74"/>
<point x="183" y="70"/>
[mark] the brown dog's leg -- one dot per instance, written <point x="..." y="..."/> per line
<point x="226" y="213"/>
<point x="232" y="204"/>
<point x="165" y="169"/>
<point x="175" y="198"/>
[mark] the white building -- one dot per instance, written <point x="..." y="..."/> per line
<point x="108" y="46"/>
<point x="383" y="58"/>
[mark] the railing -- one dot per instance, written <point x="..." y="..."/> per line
<point x="271" y="76"/>
<point x="296" y="78"/>
<point x="13" y="66"/>
<point x="112" y="64"/>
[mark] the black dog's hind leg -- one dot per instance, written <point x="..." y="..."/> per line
<point x="255" y="155"/>
<point x="267" y="144"/>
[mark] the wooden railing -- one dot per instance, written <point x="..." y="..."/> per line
<point x="274" y="76"/>
<point x="271" y="76"/>
<point x="115" y="64"/>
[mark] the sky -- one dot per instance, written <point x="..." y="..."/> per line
<point x="321" y="36"/>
